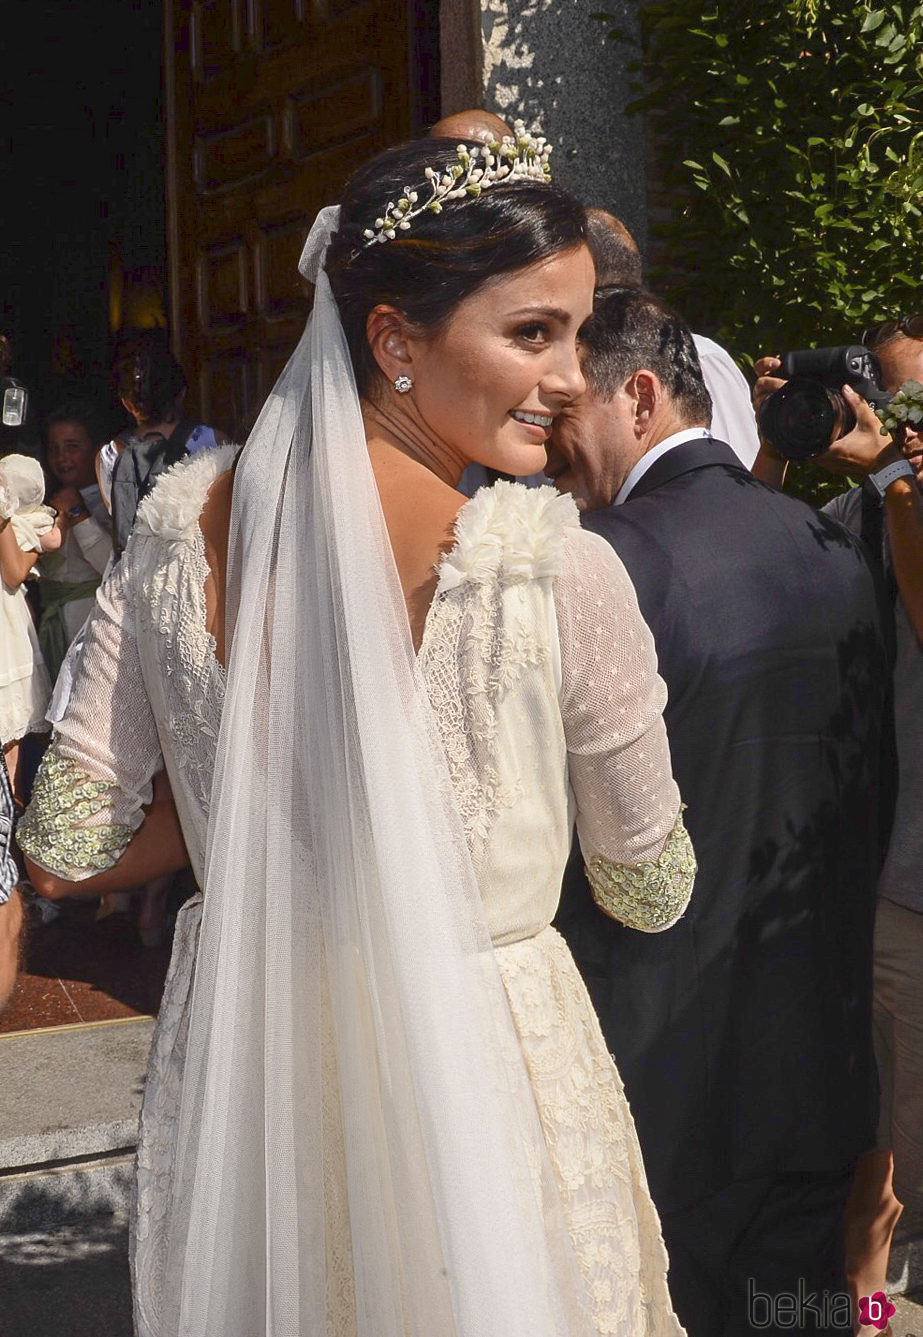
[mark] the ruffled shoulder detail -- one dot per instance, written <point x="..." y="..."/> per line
<point x="171" y="510"/>
<point x="508" y="533"/>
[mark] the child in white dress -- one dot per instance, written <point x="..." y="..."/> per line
<point x="27" y="529"/>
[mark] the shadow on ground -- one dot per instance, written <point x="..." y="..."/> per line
<point x="68" y="1282"/>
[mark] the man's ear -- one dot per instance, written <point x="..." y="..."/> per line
<point x="646" y="392"/>
<point x="390" y="339"/>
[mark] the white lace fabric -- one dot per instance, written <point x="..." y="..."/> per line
<point x="151" y="694"/>
<point x="543" y="679"/>
<point x="588" y="1125"/>
<point x="107" y="744"/>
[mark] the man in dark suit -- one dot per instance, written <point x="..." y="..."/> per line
<point x="743" y="1034"/>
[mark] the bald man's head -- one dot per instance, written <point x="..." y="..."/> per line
<point x="474" y="124"/>
<point x="614" y="250"/>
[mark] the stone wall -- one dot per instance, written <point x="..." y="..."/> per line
<point x="549" y="62"/>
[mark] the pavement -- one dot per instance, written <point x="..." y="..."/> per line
<point x="68" y="1282"/>
<point x="69" y="1102"/>
<point x="71" y="1093"/>
<point x="78" y="969"/>
<point x="908" y="1320"/>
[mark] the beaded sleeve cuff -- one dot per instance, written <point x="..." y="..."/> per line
<point x="649" y="896"/>
<point x="55" y="830"/>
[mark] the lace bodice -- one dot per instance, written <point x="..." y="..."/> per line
<point x="540" y="671"/>
<point x="543" y="680"/>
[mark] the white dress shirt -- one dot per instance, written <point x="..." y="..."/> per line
<point x="641" y="466"/>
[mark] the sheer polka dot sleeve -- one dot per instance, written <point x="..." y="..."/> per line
<point x="95" y="778"/>
<point x="638" y="857"/>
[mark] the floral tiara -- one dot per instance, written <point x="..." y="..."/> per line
<point x="517" y="157"/>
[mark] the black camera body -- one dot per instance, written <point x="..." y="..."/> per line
<point x="809" y="413"/>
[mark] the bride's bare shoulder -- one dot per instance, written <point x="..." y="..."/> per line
<point x="216" y="511"/>
<point x="215" y="519"/>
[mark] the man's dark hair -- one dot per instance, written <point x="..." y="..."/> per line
<point x="617" y="258"/>
<point x="631" y="330"/>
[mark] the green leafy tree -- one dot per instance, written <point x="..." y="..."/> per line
<point x="790" y="139"/>
<point x="794" y="137"/>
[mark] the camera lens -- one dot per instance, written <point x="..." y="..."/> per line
<point x="804" y="418"/>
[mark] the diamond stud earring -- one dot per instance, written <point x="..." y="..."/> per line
<point x="402" y="384"/>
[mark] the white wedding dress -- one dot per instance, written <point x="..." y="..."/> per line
<point x="542" y="678"/>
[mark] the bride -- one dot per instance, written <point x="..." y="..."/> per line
<point x="378" y="1101"/>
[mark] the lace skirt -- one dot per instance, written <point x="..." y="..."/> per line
<point x="157" y="1134"/>
<point x="591" y="1139"/>
<point x="584" y="1114"/>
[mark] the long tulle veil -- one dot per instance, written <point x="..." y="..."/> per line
<point x="359" y="1150"/>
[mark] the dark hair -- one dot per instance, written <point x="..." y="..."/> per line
<point x="617" y="258"/>
<point x="890" y="331"/>
<point x="147" y="375"/>
<point x="631" y="330"/>
<point x="76" y="410"/>
<point x="443" y="257"/>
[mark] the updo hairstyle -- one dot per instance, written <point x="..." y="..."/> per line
<point x="148" y="376"/>
<point x="426" y="271"/>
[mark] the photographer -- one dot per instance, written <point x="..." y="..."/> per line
<point x="864" y="452"/>
<point x="887" y="509"/>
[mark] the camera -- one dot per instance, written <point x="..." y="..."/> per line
<point x="807" y="414"/>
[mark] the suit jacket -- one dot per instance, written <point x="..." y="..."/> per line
<point x="743" y="1033"/>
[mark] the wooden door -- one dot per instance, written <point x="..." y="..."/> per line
<point x="270" y="105"/>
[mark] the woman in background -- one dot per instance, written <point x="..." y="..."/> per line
<point x="70" y="577"/>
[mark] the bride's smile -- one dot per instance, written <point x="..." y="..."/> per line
<point x="489" y="382"/>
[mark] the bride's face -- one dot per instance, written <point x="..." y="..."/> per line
<point x="490" y="382"/>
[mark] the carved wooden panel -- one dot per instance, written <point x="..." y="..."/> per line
<point x="333" y="110"/>
<point x="227" y="389"/>
<point x="234" y="155"/>
<point x="215" y="36"/>
<point x="222" y="287"/>
<point x="277" y="21"/>
<point x="270" y="105"/>
<point x="334" y="8"/>
<point x="280" y="290"/>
